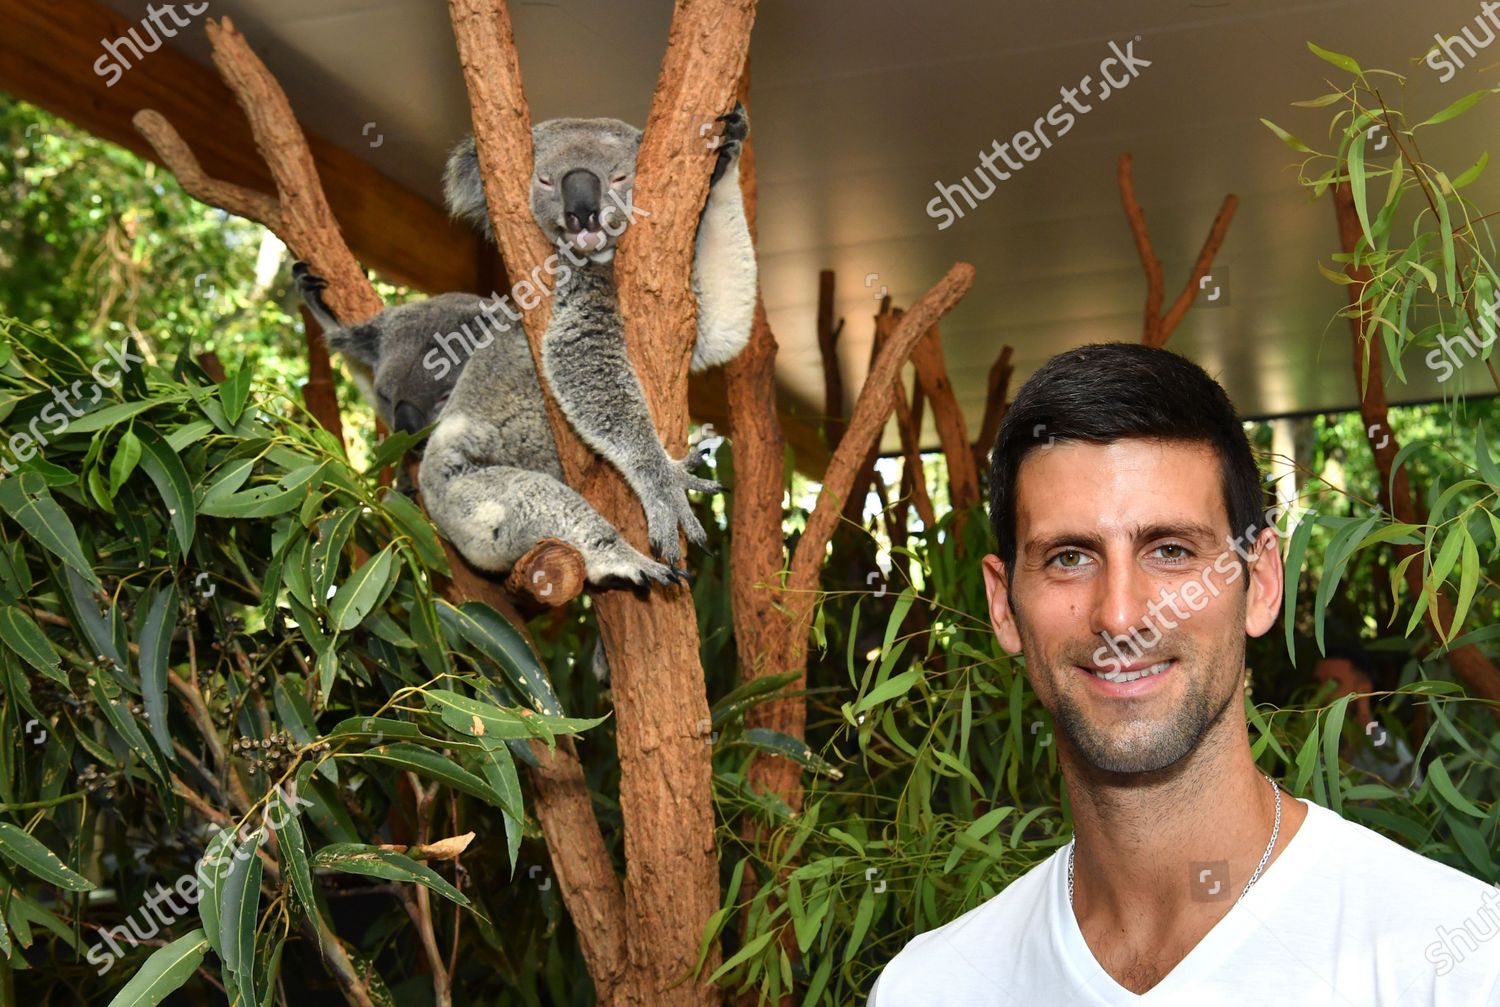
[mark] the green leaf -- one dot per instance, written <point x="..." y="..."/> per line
<point x="896" y="685"/>
<point x="1338" y="59"/>
<point x="1468" y="581"/>
<point x="26" y="500"/>
<point x="407" y="518"/>
<point x="371" y="861"/>
<point x="293" y="846"/>
<point x="99" y="419"/>
<point x="1287" y="138"/>
<point x="499" y="770"/>
<point x="164" y="972"/>
<point x="744" y="954"/>
<point x="1333" y="733"/>
<point x="357" y="595"/>
<point x="1438" y="773"/>
<point x="24" y="850"/>
<point x="211" y="871"/>
<point x="239" y="904"/>
<point x="1472" y="173"/>
<point x="235" y="392"/>
<point x="155" y="646"/>
<point x="789" y="747"/>
<point x="328" y="551"/>
<point x="426" y="762"/>
<point x="267" y="500"/>
<point x="1488" y="470"/>
<point x="127" y="453"/>
<point x="494" y="636"/>
<point x="1356" y="165"/>
<point x="25" y="637"/>
<point x="477" y="718"/>
<point x="165" y="469"/>
<point x="1458" y="108"/>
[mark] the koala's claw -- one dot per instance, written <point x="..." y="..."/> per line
<point x="307" y="280"/>
<point x="736" y="128"/>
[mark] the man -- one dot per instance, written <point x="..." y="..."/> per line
<point x="1134" y="559"/>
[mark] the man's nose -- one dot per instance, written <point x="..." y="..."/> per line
<point x="581" y="193"/>
<point x="1122" y="592"/>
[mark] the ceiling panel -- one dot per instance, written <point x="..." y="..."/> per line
<point x="860" y="106"/>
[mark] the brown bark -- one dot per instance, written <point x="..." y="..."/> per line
<point x="833" y="378"/>
<point x="1476" y="670"/>
<point x="794" y="612"/>
<point x="913" y="478"/>
<point x="997" y="388"/>
<point x="318" y="394"/>
<point x="666" y="799"/>
<point x="854" y="502"/>
<point x="1157" y="328"/>
<point x="953" y="434"/>
<point x="549" y="575"/>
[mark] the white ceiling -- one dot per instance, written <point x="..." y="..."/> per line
<point x="860" y="105"/>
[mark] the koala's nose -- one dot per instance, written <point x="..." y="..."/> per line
<point x="581" y="193"/>
<point x="408" y="418"/>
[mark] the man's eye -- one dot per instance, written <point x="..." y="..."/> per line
<point x="1173" y="552"/>
<point x="1069" y="559"/>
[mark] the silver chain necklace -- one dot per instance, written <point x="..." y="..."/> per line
<point x="1264" y="857"/>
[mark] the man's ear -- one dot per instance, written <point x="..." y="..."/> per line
<point x="1263" y="601"/>
<point x="1002" y="619"/>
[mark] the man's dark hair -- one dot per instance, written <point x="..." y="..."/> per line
<point x="1106" y="392"/>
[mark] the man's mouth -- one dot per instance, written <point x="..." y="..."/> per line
<point x="1129" y="673"/>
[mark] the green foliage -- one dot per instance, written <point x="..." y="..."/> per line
<point x="230" y="636"/>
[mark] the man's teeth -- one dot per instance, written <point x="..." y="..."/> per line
<point x="1131" y="676"/>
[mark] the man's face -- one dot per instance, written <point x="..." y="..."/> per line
<point x="1124" y="567"/>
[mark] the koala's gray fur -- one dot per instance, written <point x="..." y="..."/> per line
<point x="490" y="476"/>
<point x="406" y="394"/>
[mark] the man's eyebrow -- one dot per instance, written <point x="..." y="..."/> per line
<point x="1177" y="529"/>
<point x="1146" y="533"/>
<point x="1065" y="539"/>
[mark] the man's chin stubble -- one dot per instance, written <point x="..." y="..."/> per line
<point x="1167" y="743"/>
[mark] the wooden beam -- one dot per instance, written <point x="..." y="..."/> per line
<point x="47" y="56"/>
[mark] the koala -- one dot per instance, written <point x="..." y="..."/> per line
<point x="490" y="474"/>
<point x="393" y="345"/>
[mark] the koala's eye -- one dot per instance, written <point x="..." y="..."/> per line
<point x="544" y="181"/>
<point x="618" y="179"/>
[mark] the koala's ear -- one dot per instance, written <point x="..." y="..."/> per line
<point x="360" y="342"/>
<point x="463" y="186"/>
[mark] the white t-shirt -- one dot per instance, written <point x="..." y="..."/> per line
<point x="1343" y="916"/>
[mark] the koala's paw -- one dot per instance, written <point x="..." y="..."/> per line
<point x="736" y="128"/>
<point x="622" y="566"/>
<point x="664" y="517"/>
<point x="691" y="461"/>
<point x="307" y="281"/>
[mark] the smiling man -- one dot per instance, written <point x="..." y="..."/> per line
<point x="1134" y="560"/>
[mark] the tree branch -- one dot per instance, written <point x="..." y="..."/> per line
<point x="1156" y="327"/>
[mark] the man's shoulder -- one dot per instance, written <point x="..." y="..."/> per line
<point x="964" y="951"/>
<point x="1365" y="853"/>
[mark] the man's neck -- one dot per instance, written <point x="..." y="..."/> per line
<point x="1159" y="855"/>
